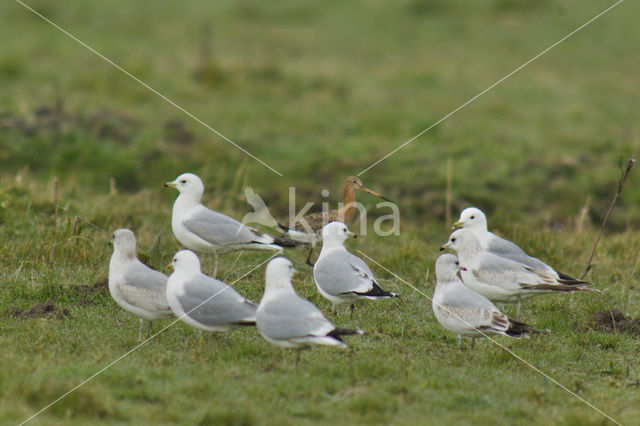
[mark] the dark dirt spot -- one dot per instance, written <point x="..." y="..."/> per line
<point x="614" y="321"/>
<point x="40" y="310"/>
<point x="87" y="292"/>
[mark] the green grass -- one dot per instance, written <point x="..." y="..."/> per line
<point x="320" y="92"/>
<point x="406" y="370"/>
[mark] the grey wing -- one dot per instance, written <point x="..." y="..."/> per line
<point x="500" y="271"/>
<point x="212" y="302"/>
<point x="290" y="317"/>
<point x="144" y="287"/>
<point x="342" y="272"/>
<point x="506" y="248"/>
<point x="222" y="230"/>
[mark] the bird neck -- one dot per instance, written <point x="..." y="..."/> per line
<point x="348" y="209"/>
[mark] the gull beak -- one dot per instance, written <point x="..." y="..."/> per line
<point x="169" y="267"/>
<point x="445" y="246"/>
<point x="457" y="225"/>
<point x="169" y="184"/>
<point x="375" y="194"/>
<point x="352" y="235"/>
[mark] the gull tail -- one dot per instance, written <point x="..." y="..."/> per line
<point x="247" y="323"/>
<point x="337" y="333"/>
<point x="377" y="292"/>
<point x="518" y="329"/>
<point x="565" y="288"/>
<point x="569" y="280"/>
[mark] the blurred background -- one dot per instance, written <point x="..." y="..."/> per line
<point x="320" y="91"/>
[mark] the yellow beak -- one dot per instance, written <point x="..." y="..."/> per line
<point x="169" y="267"/>
<point x="352" y="234"/>
<point x="458" y="224"/>
<point x="169" y="184"/>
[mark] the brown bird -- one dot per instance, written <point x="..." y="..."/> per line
<point x="308" y="229"/>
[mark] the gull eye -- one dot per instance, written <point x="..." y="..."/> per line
<point x="453" y="239"/>
<point x="183" y="181"/>
<point x="175" y="259"/>
<point x="473" y="217"/>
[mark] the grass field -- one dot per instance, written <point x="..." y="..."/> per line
<point x="319" y="92"/>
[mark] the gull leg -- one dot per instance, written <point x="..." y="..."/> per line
<point x="459" y="342"/>
<point x="501" y="306"/>
<point x="309" y="257"/>
<point x="473" y="342"/>
<point x="140" y="330"/>
<point x="518" y="309"/>
<point x="353" y="306"/>
<point x="215" y="263"/>
<point x="297" y="357"/>
<point x="149" y="329"/>
<point x="233" y="265"/>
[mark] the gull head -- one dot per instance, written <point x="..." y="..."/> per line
<point x="335" y="233"/>
<point x="278" y="274"/>
<point x="447" y="267"/>
<point x="188" y="184"/>
<point x="124" y="242"/>
<point x="463" y="242"/>
<point x="354" y="183"/>
<point x="473" y="219"/>
<point x="185" y="261"/>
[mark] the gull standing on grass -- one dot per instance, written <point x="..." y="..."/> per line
<point x="467" y="313"/>
<point x="203" y="302"/>
<point x="287" y="320"/>
<point x="340" y="276"/>
<point x="500" y="279"/>
<point x="134" y="286"/>
<point x="203" y="230"/>
<point x="475" y="221"/>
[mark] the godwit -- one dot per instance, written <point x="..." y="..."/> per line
<point x="340" y="276"/>
<point x="134" y="286"/>
<point x="500" y="279"/>
<point x="203" y="230"/>
<point x="467" y="313"/>
<point x="308" y="230"/>
<point x="203" y="302"/>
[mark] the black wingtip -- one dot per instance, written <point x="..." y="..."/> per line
<point x="288" y="242"/>
<point x="519" y="329"/>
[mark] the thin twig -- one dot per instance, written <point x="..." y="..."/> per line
<point x="447" y="197"/>
<point x="623" y="176"/>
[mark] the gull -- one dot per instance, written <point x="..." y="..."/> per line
<point x="203" y="230"/>
<point x="467" y="313"/>
<point x="475" y="221"/>
<point x="287" y="320"/>
<point x="340" y="276"/>
<point x="500" y="279"/>
<point x="308" y="229"/>
<point x="203" y="302"/>
<point x="134" y="286"/>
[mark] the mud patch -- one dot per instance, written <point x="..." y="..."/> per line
<point x="614" y="321"/>
<point x="40" y="310"/>
<point x="88" y="292"/>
